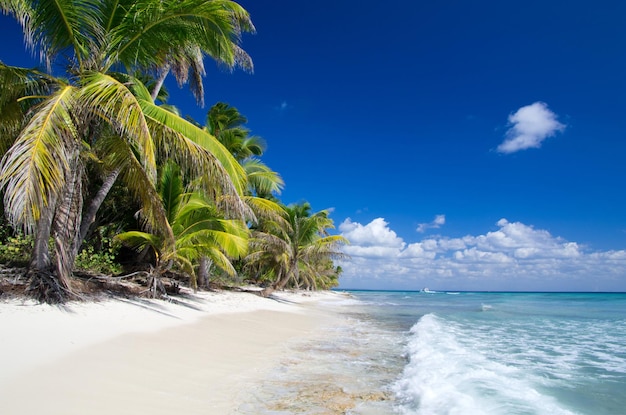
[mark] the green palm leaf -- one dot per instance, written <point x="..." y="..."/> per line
<point x="115" y="103"/>
<point x="120" y="155"/>
<point x="171" y="190"/>
<point x="140" y="240"/>
<point x="261" y="179"/>
<point x="196" y="149"/>
<point x="53" y="26"/>
<point x="214" y="25"/>
<point x="33" y="170"/>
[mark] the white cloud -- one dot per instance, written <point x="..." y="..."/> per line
<point x="515" y="256"/>
<point x="530" y="126"/>
<point x="376" y="233"/>
<point x="439" y="221"/>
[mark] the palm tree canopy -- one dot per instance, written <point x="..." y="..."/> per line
<point x="135" y="33"/>
<point x="295" y="247"/>
<point x="198" y="227"/>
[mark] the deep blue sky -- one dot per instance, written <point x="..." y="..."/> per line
<point x="392" y="114"/>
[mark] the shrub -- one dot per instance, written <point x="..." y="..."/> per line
<point x="16" y="249"/>
<point x="102" y="260"/>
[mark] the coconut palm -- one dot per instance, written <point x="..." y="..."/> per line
<point x="285" y="251"/>
<point x="199" y="231"/>
<point x="98" y="114"/>
<point x="187" y="62"/>
<point x="227" y="124"/>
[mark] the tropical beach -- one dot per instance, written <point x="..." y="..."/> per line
<point x="358" y="352"/>
<point x="144" y="254"/>
<point x="222" y="207"/>
<point x="196" y="356"/>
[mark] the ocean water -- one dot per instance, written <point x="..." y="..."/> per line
<point x="430" y="353"/>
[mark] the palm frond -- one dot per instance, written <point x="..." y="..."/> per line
<point x="33" y="170"/>
<point x="218" y="258"/>
<point x="199" y="152"/>
<point x="53" y="26"/>
<point x="267" y="210"/>
<point x="140" y="240"/>
<point x="114" y="102"/>
<point x="119" y="154"/>
<point x="214" y="25"/>
<point x="21" y="90"/>
<point x="262" y="180"/>
<point x="171" y="190"/>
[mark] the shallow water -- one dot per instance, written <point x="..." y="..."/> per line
<point x="464" y="353"/>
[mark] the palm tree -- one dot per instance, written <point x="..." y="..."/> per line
<point x="285" y="251"/>
<point x="227" y="124"/>
<point x="199" y="231"/>
<point x="187" y="62"/>
<point x="59" y="126"/>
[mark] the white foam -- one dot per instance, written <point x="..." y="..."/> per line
<point x="447" y="374"/>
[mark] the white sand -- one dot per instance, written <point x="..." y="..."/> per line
<point x="147" y="357"/>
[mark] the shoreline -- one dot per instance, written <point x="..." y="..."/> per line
<point x="149" y="356"/>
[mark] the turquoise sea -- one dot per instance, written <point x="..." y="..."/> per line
<point x="431" y="353"/>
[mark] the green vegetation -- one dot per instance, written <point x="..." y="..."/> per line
<point x="96" y="158"/>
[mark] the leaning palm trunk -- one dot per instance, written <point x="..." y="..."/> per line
<point x="159" y="82"/>
<point x="269" y="290"/>
<point x="89" y="216"/>
<point x="52" y="284"/>
<point x="66" y="223"/>
<point x="46" y="285"/>
<point x="281" y="282"/>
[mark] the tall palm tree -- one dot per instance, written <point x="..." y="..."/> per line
<point x="104" y="114"/>
<point x="227" y="124"/>
<point x="285" y="251"/>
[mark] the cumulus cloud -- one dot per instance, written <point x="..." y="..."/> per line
<point x="376" y="233"/>
<point x="437" y="223"/>
<point x="529" y="127"/>
<point x="515" y="256"/>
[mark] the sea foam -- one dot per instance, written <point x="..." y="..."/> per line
<point x="449" y="373"/>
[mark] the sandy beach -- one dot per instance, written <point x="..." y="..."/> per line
<point x="194" y="356"/>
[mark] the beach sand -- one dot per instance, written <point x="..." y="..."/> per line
<point x="147" y="356"/>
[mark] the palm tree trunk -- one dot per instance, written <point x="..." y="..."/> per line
<point x="280" y="285"/>
<point x="159" y="82"/>
<point x="281" y="282"/>
<point x="204" y="267"/>
<point x="66" y="223"/>
<point x="267" y="291"/>
<point x="90" y="214"/>
<point x="44" y="287"/>
<point x="40" y="260"/>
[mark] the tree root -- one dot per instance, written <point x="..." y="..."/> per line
<point x="45" y="287"/>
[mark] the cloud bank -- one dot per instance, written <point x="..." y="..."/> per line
<point x="513" y="257"/>
<point x="530" y="126"/>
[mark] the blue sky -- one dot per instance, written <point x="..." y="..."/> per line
<point x="460" y="145"/>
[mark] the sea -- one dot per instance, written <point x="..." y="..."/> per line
<point x="443" y="352"/>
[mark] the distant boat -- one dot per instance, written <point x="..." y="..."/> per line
<point x="426" y="290"/>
